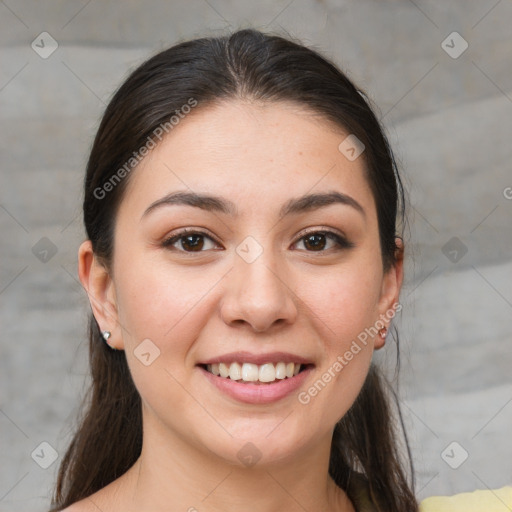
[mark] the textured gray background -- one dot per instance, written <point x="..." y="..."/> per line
<point x="449" y="120"/>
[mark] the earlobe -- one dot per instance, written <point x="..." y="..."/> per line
<point x="99" y="286"/>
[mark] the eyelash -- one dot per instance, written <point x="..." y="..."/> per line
<point x="341" y="241"/>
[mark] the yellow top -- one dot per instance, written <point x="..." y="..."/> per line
<point x="492" y="500"/>
<point x="498" y="500"/>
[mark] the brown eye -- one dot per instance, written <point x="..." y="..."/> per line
<point x="315" y="242"/>
<point x="190" y="241"/>
<point x="322" y="241"/>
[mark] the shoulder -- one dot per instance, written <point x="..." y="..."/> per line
<point x="76" y="507"/>
<point x="94" y="503"/>
<point x="496" y="500"/>
<point x="81" y="506"/>
<point x="111" y="497"/>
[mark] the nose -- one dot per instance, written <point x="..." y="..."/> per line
<point x="257" y="295"/>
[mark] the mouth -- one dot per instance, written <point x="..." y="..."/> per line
<point x="257" y="378"/>
<point x="251" y="373"/>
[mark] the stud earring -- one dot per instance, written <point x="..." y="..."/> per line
<point x="106" y="335"/>
<point x="383" y="333"/>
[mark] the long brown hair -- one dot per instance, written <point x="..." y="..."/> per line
<point x="253" y="65"/>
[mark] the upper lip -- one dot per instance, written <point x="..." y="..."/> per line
<point x="259" y="359"/>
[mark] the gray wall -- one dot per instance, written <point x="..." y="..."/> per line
<point x="448" y="118"/>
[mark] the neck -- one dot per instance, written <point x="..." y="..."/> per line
<point x="172" y="475"/>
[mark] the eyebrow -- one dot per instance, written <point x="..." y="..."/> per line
<point x="211" y="203"/>
<point x="203" y="201"/>
<point x="313" y="201"/>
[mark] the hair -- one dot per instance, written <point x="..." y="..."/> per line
<point x="246" y="65"/>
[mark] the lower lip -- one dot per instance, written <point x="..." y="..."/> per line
<point x="257" y="393"/>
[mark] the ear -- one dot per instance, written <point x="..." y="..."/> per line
<point x="390" y="291"/>
<point x="99" y="286"/>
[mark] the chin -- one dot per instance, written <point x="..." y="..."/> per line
<point x="260" y="449"/>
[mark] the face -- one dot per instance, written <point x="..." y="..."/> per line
<point x="247" y="237"/>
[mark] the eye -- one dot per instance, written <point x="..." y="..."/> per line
<point x="320" y="241"/>
<point x="190" y="241"/>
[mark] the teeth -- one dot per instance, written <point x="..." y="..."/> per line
<point x="267" y="373"/>
<point x="223" y="370"/>
<point x="248" y="372"/>
<point x="280" y="370"/>
<point x="235" y="371"/>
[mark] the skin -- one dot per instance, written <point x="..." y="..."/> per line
<point x="197" y="305"/>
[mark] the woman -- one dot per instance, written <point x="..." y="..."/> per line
<point x="243" y="263"/>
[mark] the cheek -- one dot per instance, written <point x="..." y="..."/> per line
<point x="156" y="302"/>
<point x="345" y="307"/>
<point x="346" y="301"/>
<point x="166" y="308"/>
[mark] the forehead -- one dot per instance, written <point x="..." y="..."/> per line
<point x="259" y="153"/>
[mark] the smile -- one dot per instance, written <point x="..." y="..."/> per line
<point x="257" y="378"/>
<point x="249" y="372"/>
